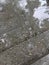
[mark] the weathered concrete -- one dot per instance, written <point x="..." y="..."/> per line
<point x="43" y="61"/>
<point x="24" y="31"/>
<point x="26" y="52"/>
<point x="18" y="25"/>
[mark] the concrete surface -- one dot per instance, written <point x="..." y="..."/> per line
<point x="24" y="31"/>
<point x="43" y="61"/>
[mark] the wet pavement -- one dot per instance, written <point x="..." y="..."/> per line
<point x="24" y="31"/>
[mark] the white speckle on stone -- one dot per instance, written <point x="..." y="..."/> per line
<point x="1" y="8"/>
<point x="22" y="4"/>
<point x="42" y="2"/>
<point x="40" y="24"/>
<point x="13" y="3"/>
<point x="47" y="57"/>
<point x="31" y="32"/>
<point x="35" y="46"/>
<point x="39" y="42"/>
<point x="26" y="10"/>
<point x="30" y="46"/>
<point x="32" y="0"/>
<point x="3" y="1"/>
<point x="26" y="22"/>
<point x="43" y="50"/>
<point x="4" y="34"/>
<point x="6" y="45"/>
<point x="3" y="40"/>
<point x="42" y="39"/>
<point x="30" y="28"/>
<point x="30" y="53"/>
<point x="45" y="63"/>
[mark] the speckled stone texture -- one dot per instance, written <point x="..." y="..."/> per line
<point x="24" y="31"/>
<point x="16" y="23"/>
<point x="26" y="52"/>
<point x="43" y="61"/>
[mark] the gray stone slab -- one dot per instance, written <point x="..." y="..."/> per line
<point x="17" y="24"/>
<point x="13" y="37"/>
<point x="14" y="16"/>
<point x="42" y="61"/>
<point x="27" y="52"/>
<point x="21" y="41"/>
